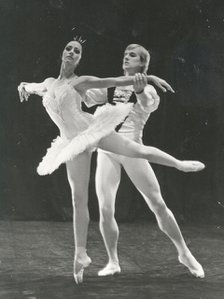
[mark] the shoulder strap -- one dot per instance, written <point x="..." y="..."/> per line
<point x="133" y="98"/>
<point x="110" y="95"/>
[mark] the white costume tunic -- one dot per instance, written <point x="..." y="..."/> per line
<point x="79" y="131"/>
<point x="134" y="124"/>
<point x="131" y="128"/>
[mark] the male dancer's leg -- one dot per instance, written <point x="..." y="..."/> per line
<point x="107" y="181"/>
<point x="143" y="177"/>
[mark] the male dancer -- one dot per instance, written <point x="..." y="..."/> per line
<point x="135" y="62"/>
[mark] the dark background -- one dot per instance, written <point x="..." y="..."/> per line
<point x="186" y="42"/>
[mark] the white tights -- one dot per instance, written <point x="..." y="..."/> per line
<point x="140" y="172"/>
<point x="78" y="173"/>
<point x="107" y="181"/>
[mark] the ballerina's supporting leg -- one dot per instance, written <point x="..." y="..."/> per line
<point x="78" y="171"/>
<point x="120" y="145"/>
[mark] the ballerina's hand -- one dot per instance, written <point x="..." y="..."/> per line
<point x="162" y="84"/>
<point x="23" y="94"/>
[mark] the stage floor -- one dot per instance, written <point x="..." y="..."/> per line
<point x="37" y="258"/>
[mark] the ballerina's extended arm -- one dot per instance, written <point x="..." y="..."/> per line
<point x="84" y="83"/>
<point x="158" y="82"/>
<point x="25" y="89"/>
<point x="161" y="83"/>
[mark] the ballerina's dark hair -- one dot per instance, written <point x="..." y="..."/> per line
<point x="78" y="39"/>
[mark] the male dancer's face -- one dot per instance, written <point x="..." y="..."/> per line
<point x="132" y="63"/>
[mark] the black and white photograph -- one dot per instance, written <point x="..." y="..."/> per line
<point x="112" y="149"/>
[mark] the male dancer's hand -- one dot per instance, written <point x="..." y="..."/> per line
<point x="140" y="81"/>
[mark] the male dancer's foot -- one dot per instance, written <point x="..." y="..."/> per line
<point x="110" y="269"/>
<point x="190" y="166"/>
<point x="81" y="261"/>
<point x="191" y="263"/>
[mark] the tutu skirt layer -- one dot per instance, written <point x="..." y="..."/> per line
<point x="104" y="121"/>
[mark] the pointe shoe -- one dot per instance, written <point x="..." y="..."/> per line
<point x="193" y="266"/>
<point x="110" y="269"/>
<point x="190" y="166"/>
<point x="78" y="277"/>
<point x="79" y="264"/>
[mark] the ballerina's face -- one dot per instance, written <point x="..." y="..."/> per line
<point x="72" y="53"/>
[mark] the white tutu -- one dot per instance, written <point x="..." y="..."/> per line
<point x="104" y="121"/>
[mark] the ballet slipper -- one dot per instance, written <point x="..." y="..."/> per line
<point x="110" y="269"/>
<point x="80" y="263"/>
<point x="190" y="166"/>
<point x="191" y="263"/>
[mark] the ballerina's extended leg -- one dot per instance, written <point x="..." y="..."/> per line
<point x="190" y="166"/>
<point x="120" y="145"/>
<point x="188" y="260"/>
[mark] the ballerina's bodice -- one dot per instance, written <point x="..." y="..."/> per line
<point x="79" y="131"/>
<point x="64" y="107"/>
